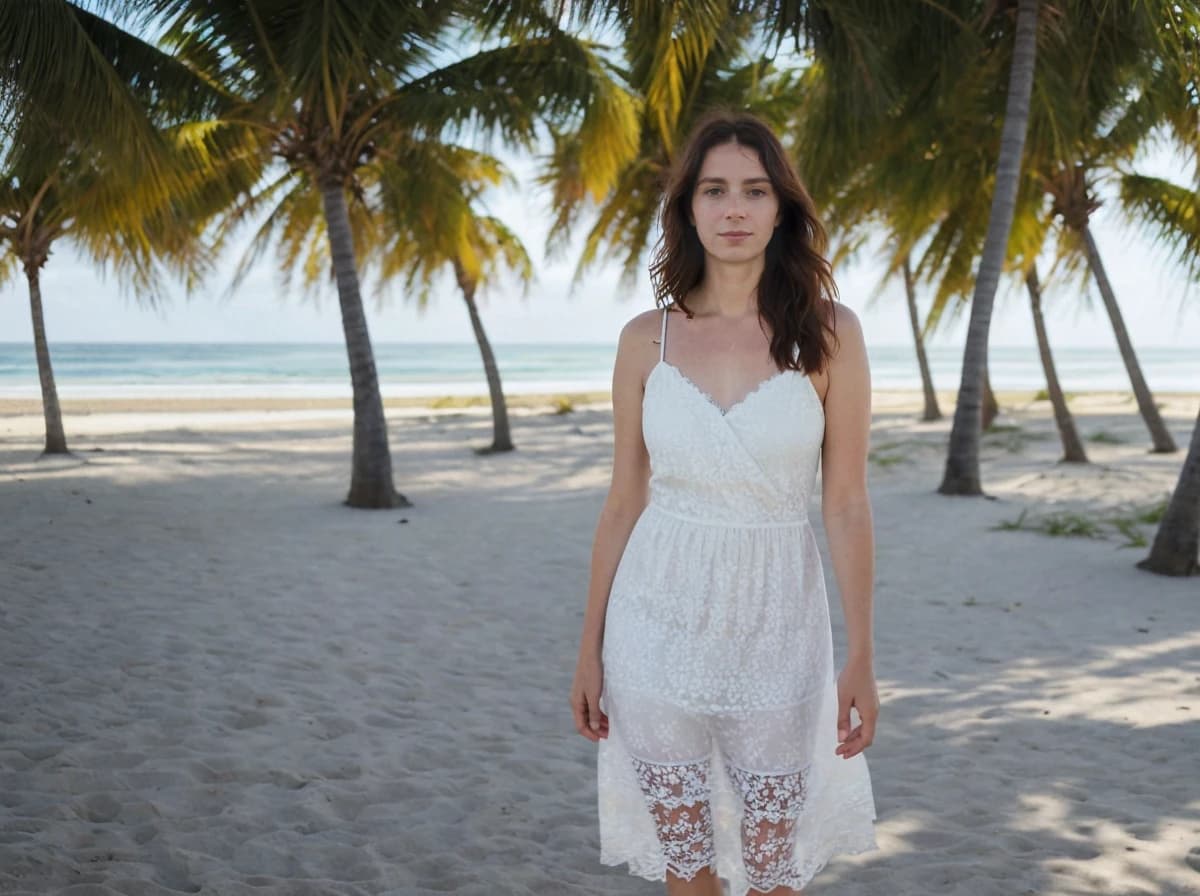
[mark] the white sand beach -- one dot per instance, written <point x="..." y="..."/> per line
<point x="216" y="679"/>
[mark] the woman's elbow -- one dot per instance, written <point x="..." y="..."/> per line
<point x="846" y="501"/>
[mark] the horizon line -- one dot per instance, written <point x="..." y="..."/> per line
<point x="540" y="342"/>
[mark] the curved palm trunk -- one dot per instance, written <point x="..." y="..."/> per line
<point x="1159" y="434"/>
<point x="56" y="437"/>
<point x="501" y="433"/>
<point x="932" y="411"/>
<point x="371" y="469"/>
<point x="1072" y="447"/>
<point x="962" y="460"/>
<point x="1177" y="542"/>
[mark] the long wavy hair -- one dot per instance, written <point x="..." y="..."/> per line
<point x="796" y="291"/>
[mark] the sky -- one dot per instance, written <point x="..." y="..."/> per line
<point x="81" y="305"/>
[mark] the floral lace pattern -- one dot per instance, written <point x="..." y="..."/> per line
<point x="718" y="655"/>
<point x="772" y="803"/>
<point x="677" y="796"/>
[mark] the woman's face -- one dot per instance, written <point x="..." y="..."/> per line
<point x="734" y="207"/>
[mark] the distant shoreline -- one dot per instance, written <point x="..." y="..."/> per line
<point x="410" y="375"/>
<point x="884" y="401"/>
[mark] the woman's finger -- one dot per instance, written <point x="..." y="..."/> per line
<point x="597" y="719"/>
<point x="850" y="744"/>
<point x="584" y="715"/>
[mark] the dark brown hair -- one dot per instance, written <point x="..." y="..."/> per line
<point x="796" y="291"/>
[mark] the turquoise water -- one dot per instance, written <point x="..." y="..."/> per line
<point x="319" y="370"/>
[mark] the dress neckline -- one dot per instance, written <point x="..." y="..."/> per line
<point x="746" y="399"/>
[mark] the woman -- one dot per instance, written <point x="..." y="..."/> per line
<point x="706" y="665"/>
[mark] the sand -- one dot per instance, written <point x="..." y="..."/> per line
<point x="216" y="679"/>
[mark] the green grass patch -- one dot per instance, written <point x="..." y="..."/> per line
<point x="563" y="404"/>
<point x="1012" y="525"/>
<point x="1071" y="525"/>
<point x="1128" y="526"/>
<point x="1044" y="395"/>
<point x="1129" y="530"/>
<point x="1102" y="437"/>
<point x="447" y="402"/>
<point x="1063" y="524"/>
<point x="1152" y="515"/>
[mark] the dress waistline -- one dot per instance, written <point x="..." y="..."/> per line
<point x="765" y="524"/>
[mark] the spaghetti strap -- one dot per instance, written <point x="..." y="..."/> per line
<point x="662" y="339"/>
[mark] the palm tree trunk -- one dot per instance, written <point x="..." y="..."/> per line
<point x="991" y="408"/>
<point x="501" y="433"/>
<point x="1177" y="542"/>
<point x="962" y="460"/>
<point x="1072" y="446"/>
<point x="56" y="437"/>
<point x="371" y="469"/>
<point x="1163" y="443"/>
<point x="932" y="411"/>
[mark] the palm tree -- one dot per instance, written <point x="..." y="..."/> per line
<point x="1094" y="64"/>
<point x="1075" y="202"/>
<point x="932" y="411"/>
<point x="1131" y="86"/>
<point x="440" y="225"/>
<point x="1086" y="85"/>
<point x="142" y="219"/>
<point x="315" y="94"/>
<point x="905" y="151"/>
<point x="1072" y="446"/>
<point x="82" y="197"/>
<point x="28" y="229"/>
<point x="340" y="91"/>
<point x="962" y="475"/>
<point x="1176" y="548"/>
<point x="68" y="198"/>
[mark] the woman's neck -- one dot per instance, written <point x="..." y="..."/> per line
<point x="727" y="290"/>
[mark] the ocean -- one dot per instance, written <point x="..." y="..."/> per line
<point x="135" y="370"/>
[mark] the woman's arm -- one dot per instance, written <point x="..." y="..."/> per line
<point x="846" y="511"/>
<point x="625" y="502"/>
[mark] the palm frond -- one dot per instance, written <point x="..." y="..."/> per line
<point x="1169" y="214"/>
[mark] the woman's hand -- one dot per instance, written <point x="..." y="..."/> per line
<point x="856" y="687"/>
<point x="585" y="697"/>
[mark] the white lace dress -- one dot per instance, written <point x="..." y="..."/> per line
<point x="719" y="679"/>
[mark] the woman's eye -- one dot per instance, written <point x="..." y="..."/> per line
<point x="713" y="191"/>
<point x="756" y="192"/>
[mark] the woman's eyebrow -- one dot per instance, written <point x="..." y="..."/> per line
<point x="721" y="180"/>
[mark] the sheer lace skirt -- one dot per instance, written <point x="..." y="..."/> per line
<point x="722" y="703"/>
<point x="759" y="797"/>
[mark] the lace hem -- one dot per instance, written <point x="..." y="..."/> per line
<point x="847" y="843"/>
<point x="679" y="798"/>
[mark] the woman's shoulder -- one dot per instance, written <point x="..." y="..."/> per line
<point x="642" y="325"/>
<point x="835" y="313"/>
<point x="844" y="323"/>
<point x="847" y="347"/>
